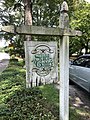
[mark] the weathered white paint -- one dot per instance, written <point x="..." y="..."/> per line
<point x="10" y="29"/>
<point x="28" y="79"/>
<point x="38" y="30"/>
<point x="64" y="78"/>
<point x="64" y="65"/>
<point x="31" y="75"/>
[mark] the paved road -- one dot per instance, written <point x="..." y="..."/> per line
<point x="3" y="65"/>
<point x="4" y="61"/>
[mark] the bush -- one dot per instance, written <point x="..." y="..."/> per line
<point x="19" y="103"/>
<point x="27" y="104"/>
<point x="13" y="60"/>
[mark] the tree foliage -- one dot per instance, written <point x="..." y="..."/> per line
<point x="46" y="13"/>
<point x="80" y="21"/>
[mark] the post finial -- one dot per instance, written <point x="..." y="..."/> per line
<point x="64" y="7"/>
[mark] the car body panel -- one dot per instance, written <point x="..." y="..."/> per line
<point x="80" y="75"/>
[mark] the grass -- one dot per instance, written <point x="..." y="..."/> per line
<point x="39" y="103"/>
<point x="51" y="95"/>
<point x="19" y="103"/>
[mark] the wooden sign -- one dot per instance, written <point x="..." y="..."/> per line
<point x="41" y="62"/>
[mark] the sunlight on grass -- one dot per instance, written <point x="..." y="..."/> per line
<point x="17" y="102"/>
<point x="82" y="112"/>
<point x="50" y="93"/>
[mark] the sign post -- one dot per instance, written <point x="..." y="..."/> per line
<point x="64" y="32"/>
<point x="64" y="64"/>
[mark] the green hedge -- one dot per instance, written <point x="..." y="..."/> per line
<point x="39" y="103"/>
<point x="19" y="103"/>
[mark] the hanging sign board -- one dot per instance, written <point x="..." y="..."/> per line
<point x="41" y="62"/>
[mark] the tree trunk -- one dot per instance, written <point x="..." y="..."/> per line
<point x="28" y="15"/>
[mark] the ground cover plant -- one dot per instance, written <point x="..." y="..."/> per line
<point x="19" y="103"/>
<point x="39" y="103"/>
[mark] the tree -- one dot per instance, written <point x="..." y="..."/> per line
<point x="28" y="15"/>
<point x="36" y="12"/>
<point x="80" y="20"/>
<point x="12" y="13"/>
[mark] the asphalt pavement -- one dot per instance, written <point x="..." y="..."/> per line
<point x="3" y="64"/>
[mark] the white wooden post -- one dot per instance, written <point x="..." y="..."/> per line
<point x="28" y="80"/>
<point x="64" y="64"/>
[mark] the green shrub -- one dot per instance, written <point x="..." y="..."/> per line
<point x="28" y="104"/>
<point x="19" y="103"/>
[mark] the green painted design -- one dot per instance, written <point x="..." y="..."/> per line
<point x="43" y="63"/>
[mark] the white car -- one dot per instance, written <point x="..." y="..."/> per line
<point x="79" y="71"/>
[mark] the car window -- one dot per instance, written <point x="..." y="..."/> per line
<point x="87" y="64"/>
<point x="83" y="61"/>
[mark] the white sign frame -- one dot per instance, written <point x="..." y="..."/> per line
<point x="32" y="78"/>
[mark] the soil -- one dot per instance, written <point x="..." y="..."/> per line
<point x="79" y="99"/>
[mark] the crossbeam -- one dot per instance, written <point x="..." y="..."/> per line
<point x="38" y="30"/>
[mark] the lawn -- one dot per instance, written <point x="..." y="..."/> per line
<point x="38" y="103"/>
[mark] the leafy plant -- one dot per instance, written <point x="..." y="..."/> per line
<point x="17" y="102"/>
